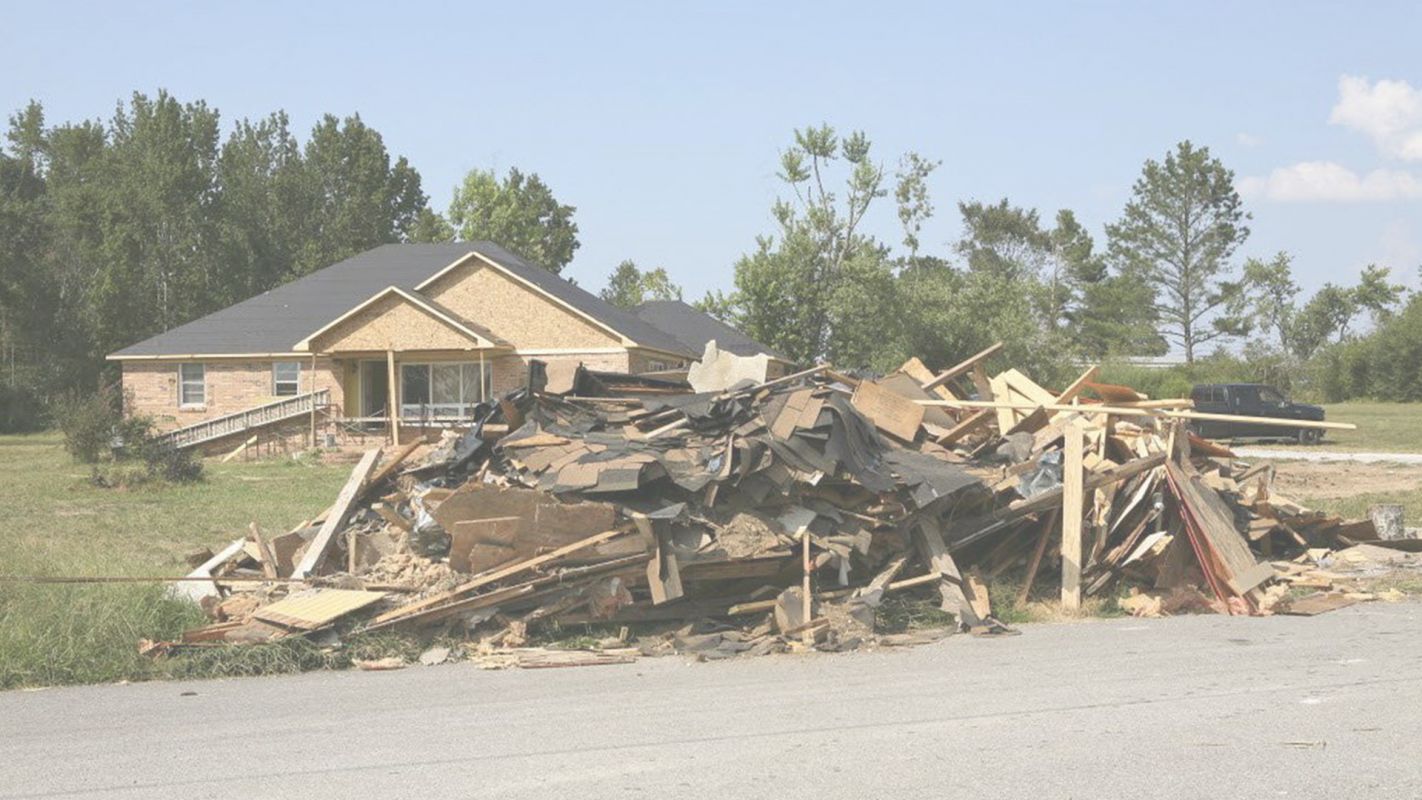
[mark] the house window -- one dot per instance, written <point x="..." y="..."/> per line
<point x="192" y="385"/>
<point x="442" y="389"/>
<point x="286" y="378"/>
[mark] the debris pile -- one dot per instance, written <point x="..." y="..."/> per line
<point x="756" y="517"/>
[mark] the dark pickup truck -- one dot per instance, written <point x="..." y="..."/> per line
<point x="1252" y="400"/>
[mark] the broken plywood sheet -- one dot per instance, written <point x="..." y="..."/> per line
<point x="479" y="544"/>
<point x="1319" y="603"/>
<point x="543" y="521"/>
<point x="719" y="370"/>
<point x="890" y="412"/>
<point x="906" y="385"/>
<point x="316" y="608"/>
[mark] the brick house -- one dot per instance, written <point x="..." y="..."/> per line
<point x="428" y="329"/>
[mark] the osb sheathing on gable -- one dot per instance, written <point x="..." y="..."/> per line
<point x="523" y="316"/>
<point x="392" y="323"/>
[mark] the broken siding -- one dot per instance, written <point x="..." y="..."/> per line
<point x="513" y="311"/>
<point x="151" y="388"/>
<point x="392" y="323"/>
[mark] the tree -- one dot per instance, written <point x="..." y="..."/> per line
<point x="1375" y="294"/>
<point x="361" y="199"/>
<point x="912" y="198"/>
<point x="1179" y="230"/>
<point x="628" y="286"/>
<point x="519" y="213"/>
<point x="268" y="204"/>
<point x="808" y="289"/>
<point x="1003" y="240"/>
<point x="430" y="227"/>
<point x="1268" y="298"/>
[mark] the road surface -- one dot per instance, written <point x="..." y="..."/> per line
<point x="1193" y="707"/>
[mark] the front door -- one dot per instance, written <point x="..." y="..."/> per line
<point x="374" y="388"/>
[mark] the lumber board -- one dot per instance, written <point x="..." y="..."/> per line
<point x="963" y="367"/>
<point x="892" y="413"/>
<point x="1073" y="500"/>
<point x="336" y="517"/>
<point x="499" y="574"/>
<point x="1141" y="411"/>
<point x="951" y="588"/>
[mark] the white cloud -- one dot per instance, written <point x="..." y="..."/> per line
<point x="1388" y="112"/>
<point x="1248" y="139"/>
<point x="1331" y="182"/>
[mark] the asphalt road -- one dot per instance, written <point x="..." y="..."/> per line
<point x="1196" y="707"/>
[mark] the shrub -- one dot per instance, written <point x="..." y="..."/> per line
<point x="96" y="430"/>
<point x="89" y="423"/>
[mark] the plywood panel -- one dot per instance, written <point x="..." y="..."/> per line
<point x="392" y="323"/>
<point x="513" y="311"/>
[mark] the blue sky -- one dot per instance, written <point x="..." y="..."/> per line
<point x="663" y="124"/>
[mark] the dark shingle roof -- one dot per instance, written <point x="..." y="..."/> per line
<point x="695" y="328"/>
<point x="275" y="321"/>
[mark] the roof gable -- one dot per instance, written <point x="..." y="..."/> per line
<point x="388" y="308"/>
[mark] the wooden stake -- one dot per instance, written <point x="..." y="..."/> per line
<point x="1073" y="474"/>
<point x="808" y="635"/>
<point x="269" y="562"/>
<point x="393" y="394"/>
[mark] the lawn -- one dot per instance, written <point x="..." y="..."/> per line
<point x="60" y="524"/>
<point x="1382" y="427"/>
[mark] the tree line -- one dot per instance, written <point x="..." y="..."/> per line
<point x="114" y="230"/>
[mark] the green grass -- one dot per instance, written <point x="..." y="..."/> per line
<point x="1382" y="427"/>
<point x="59" y="524"/>
<point x="1356" y="506"/>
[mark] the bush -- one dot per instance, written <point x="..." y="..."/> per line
<point x="90" y="423"/>
<point x="95" y="430"/>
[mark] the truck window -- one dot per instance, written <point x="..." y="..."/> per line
<point x="1270" y="396"/>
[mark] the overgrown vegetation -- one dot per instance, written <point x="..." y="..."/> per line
<point x="61" y="525"/>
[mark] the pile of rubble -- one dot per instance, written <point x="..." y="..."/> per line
<point x="769" y="515"/>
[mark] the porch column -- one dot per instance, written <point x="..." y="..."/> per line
<point x="394" y="398"/>
<point x="482" y="376"/>
<point x="312" y="388"/>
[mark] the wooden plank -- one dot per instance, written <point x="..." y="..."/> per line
<point x="972" y="422"/>
<point x="241" y="448"/>
<point x="1036" y="563"/>
<point x="951" y="588"/>
<point x="268" y="559"/>
<point x="971" y="530"/>
<point x="963" y="367"/>
<point x="1077" y="386"/>
<point x="1141" y="411"/>
<point x="1072" y="511"/>
<point x="336" y="517"/>
<point x="497" y="575"/>
<point x="388" y="468"/>
<point x="890" y="412"/>
<point x="317" y="609"/>
<point x="392" y="398"/>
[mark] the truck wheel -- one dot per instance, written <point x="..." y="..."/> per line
<point x="1310" y="436"/>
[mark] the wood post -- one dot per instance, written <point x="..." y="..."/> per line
<point x="807" y="609"/>
<point x="1072" y="512"/>
<point x="392" y="391"/>
<point x="312" y="388"/>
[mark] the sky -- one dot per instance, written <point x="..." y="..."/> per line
<point x="663" y="122"/>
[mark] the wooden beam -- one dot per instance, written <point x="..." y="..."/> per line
<point x="269" y="562"/>
<point x="388" y="468"/>
<point x="971" y="530"/>
<point x="240" y="449"/>
<point x="336" y="517"/>
<point x="393" y="398"/>
<point x="1142" y="411"/>
<point x="1073" y="472"/>
<point x="1068" y="394"/>
<point x="499" y="574"/>
<point x="955" y="601"/>
<point x="962" y="367"/>
<point x="969" y="423"/>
